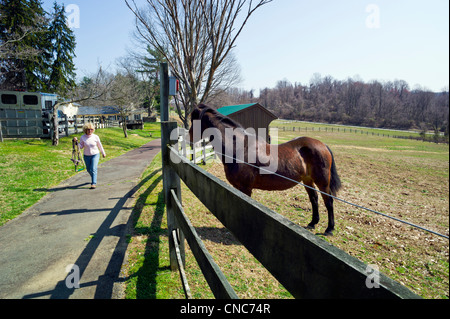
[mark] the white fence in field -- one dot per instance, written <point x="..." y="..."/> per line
<point x="199" y="152"/>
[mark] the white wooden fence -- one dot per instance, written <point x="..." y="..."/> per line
<point x="199" y="152"/>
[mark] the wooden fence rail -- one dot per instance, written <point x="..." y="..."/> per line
<point x="306" y="265"/>
<point x="214" y="276"/>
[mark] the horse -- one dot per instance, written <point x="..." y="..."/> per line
<point x="302" y="159"/>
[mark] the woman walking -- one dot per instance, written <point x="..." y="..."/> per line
<point x="92" y="146"/>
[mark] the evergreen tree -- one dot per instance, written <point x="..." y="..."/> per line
<point x="149" y="69"/>
<point x="37" y="69"/>
<point x="62" y="39"/>
<point x="36" y="52"/>
<point x="22" y="23"/>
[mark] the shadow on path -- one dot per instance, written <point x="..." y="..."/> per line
<point x="105" y="283"/>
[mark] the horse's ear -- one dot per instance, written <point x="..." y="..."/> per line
<point x="197" y="111"/>
<point x="202" y="106"/>
<point x="203" y="109"/>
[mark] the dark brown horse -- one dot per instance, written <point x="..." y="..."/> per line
<point x="303" y="159"/>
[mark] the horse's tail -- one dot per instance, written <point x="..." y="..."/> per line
<point x="335" y="182"/>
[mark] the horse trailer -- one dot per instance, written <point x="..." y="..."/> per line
<point x="25" y="114"/>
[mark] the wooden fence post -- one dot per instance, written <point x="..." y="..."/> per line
<point x="164" y="80"/>
<point x="50" y="121"/>
<point x="171" y="181"/>
<point x="66" y="124"/>
<point x="204" y="151"/>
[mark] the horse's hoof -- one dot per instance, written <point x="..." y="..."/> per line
<point x="328" y="233"/>
<point x="310" y="227"/>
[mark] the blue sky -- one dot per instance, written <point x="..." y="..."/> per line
<point x="291" y="39"/>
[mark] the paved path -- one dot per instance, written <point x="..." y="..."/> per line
<point x="73" y="225"/>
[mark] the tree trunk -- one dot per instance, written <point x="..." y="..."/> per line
<point x="54" y="120"/>
<point x="1" y="134"/>
<point x="124" y="127"/>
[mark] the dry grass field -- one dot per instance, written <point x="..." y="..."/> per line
<point x="401" y="178"/>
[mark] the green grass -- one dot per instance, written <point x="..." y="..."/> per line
<point x="403" y="178"/>
<point x="148" y="267"/>
<point x="29" y="167"/>
<point x="320" y="127"/>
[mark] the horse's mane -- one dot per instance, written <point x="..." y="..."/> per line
<point x="225" y="120"/>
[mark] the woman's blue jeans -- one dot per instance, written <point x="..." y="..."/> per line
<point x="91" y="166"/>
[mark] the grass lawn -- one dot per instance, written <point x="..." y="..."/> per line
<point x="28" y="167"/>
<point x="403" y="178"/>
<point x="148" y="267"/>
<point x="406" y="179"/>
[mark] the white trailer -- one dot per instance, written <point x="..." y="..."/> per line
<point x="25" y="114"/>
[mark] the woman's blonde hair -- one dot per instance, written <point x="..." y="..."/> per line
<point x="88" y="126"/>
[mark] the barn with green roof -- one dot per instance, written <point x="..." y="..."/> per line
<point x="252" y="115"/>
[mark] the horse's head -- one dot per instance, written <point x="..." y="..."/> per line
<point x="198" y="115"/>
<point x="199" y="111"/>
<point x="205" y="118"/>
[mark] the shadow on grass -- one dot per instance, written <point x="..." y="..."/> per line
<point x="146" y="283"/>
<point x="218" y="235"/>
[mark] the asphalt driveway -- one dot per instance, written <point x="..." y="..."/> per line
<point x="74" y="237"/>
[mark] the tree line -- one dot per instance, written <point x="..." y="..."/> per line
<point x="352" y="101"/>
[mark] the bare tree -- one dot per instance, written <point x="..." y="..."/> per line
<point x="95" y="89"/>
<point x="127" y="93"/>
<point x="7" y="49"/>
<point x="196" y="38"/>
<point x="144" y="67"/>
